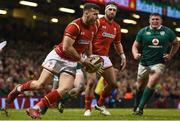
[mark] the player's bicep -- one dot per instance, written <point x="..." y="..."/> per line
<point x="117" y="39"/>
<point x="136" y="44"/>
<point x="72" y="31"/>
<point x="67" y="42"/>
<point x="175" y="41"/>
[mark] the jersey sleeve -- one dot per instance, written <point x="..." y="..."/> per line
<point x="72" y="30"/>
<point x="139" y="36"/>
<point x="118" y="35"/>
<point x="172" y="35"/>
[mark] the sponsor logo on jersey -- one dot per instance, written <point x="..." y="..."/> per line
<point x="105" y="34"/>
<point x="83" y="42"/>
<point x="148" y="33"/>
<point x="162" y="33"/>
<point x="155" y="43"/>
<point x="152" y="46"/>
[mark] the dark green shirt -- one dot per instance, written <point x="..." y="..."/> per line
<point x="154" y="43"/>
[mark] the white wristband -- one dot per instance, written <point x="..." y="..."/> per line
<point x="123" y="56"/>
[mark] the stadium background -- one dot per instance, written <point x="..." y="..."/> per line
<point x="31" y="32"/>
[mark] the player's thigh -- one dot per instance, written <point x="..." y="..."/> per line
<point x="79" y="79"/>
<point x="55" y="64"/>
<point x="109" y="75"/>
<point x="143" y="73"/>
<point x="157" y="71"/>
<point x="158" y="68"/>
<point x="66" y="82"/>
<point x="107" y="62"/>
<point x="45" y="77"/>
<point x="91" y="78"/>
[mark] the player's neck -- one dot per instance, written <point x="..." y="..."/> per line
<point x="156" y="28"/>
<point x="109" y="20"/>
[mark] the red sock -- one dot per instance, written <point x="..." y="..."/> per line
<point x="51" y="98"/>
<point x="102" y="98"/>
<point x="41" y="104"/>
<point x="26" y="86"/>
<point x="88" y="101"/>
<point x="48" y="100"/>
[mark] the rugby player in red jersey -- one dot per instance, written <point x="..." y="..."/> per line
<point x="108" y="31"/>
<point x="62" y="61"/>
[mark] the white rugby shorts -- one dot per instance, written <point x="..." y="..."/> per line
<point x="54" y="63"/>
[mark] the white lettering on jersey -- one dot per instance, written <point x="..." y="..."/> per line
<point x="105" y="34"/>
<point x="83" y="42"/>
<point x="148" y="33"/>
<point x="162" y="33"/>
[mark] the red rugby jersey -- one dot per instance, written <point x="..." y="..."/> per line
<point x="107" y="33"/>
<point x="81" y="33"/>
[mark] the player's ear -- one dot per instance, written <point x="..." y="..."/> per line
<point x="85" y="12"/>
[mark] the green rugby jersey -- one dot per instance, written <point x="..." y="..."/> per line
<point x="154" y="43"/>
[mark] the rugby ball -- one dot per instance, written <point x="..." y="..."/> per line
<point x="97" y="61"/>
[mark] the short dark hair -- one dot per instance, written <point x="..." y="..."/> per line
<point x="154" y="14"/>
<point x="111" y="3"/>
<point x="88" y="6"/>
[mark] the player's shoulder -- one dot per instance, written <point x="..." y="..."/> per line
<point x="144" y="29"/>
<point x="166" y="28"/>
<point x="116" y="24"/>
<point x="76" y="21"/>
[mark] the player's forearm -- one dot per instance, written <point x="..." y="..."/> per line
<point x="69" y="50"/>
<point x="174" y="48"/>
<point x="119" y="48"/>
<point x="120" y="51"/>
<point x="89" y="50"/>
<point x="72" y="53"/>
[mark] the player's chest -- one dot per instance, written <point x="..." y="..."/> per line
<point x="85" y="36"/>
<point x="108" y="31"/>
<point x="155" y="37"/>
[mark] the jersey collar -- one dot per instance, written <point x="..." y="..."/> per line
<point x="157" y="28"/>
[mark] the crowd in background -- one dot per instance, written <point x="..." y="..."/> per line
<point x="27" y="47"/>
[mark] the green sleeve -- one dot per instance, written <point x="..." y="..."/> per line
<point x="172" y="35"/>
<point x="139" y="36"/>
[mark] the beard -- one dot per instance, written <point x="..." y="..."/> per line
<point x="90" y="22"/>
<point x="110" y="17"/>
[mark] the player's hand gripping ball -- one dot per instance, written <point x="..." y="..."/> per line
<point x="97" y="62"/>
